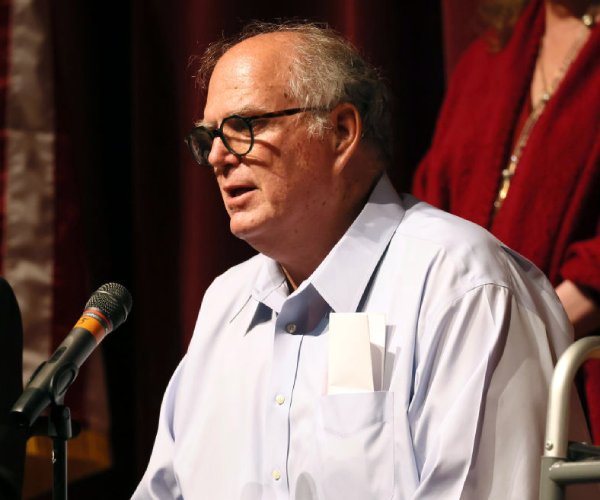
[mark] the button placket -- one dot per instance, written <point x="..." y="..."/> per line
<point x="285" y="359"/>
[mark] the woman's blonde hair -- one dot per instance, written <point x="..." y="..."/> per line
<point x="500" y="16"/>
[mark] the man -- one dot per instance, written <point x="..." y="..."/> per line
<point x="296" y="130"/>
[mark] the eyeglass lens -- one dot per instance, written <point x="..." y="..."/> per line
<point x="200" y="142"/>
<point x="235" y="132"/>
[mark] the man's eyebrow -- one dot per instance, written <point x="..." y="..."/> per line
<point x="205" y="124"/>
<point x="248" y="111"/>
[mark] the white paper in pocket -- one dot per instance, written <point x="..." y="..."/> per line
<point x="356" y="352"/>
<point x="377" y="335"/>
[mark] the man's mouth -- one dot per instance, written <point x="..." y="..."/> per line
<point x="238" y="191"/>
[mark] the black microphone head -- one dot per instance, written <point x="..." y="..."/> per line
<point x="113" y="301"/>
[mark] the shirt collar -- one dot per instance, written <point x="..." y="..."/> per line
<point x="343" y="276"/>
<point x="270" y="287"/>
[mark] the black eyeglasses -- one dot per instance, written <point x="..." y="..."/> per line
<point x="235" y="131"/>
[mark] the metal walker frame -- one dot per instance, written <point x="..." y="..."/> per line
<point x="564" y="462"/>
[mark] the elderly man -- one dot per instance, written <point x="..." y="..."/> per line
<point x="271" y="400"/>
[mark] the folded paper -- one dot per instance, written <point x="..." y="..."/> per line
<point x="356" y="352"/>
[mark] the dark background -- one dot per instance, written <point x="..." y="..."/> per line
<point x="151" y="220"/>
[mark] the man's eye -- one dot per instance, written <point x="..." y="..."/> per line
<point x="235" y="125"/>
<point x="259" y="124"/>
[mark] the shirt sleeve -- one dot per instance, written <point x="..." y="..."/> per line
<point x="477" y="414"/>
<point x="160" y="481"/>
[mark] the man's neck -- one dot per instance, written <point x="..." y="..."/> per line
<point x="558" y="11"/>
<point x="288" y="277"/>
<point x="299" y="255"/>
<point x="299" y="259"/>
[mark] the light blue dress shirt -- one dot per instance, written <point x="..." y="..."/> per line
<point x="473" y="331"/>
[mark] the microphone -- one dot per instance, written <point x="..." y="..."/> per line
<point x="104" y="312"/>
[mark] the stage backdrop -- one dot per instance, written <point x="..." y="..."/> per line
<point x="97" y="186"/>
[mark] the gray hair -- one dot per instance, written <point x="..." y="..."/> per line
<point x="326" y="70"/>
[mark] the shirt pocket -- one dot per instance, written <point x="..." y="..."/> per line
<point x="355" y="436"/>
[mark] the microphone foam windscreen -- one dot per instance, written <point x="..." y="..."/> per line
<point x="114" y="301"/>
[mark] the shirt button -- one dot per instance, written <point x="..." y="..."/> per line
<point x="290" y="328"/>
<point x="276" y="475"/>
<point x="280" y="399"/>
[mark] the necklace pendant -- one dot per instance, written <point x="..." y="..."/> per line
<point x="503" y="192"/>
<point x="507" y="175"/>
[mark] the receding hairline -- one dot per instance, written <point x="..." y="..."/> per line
<point x="279" y="44"/>
<point x="302" y="31"/>
<point x="286" y="37"/>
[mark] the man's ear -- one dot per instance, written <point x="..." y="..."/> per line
<point x="347" y="128"/>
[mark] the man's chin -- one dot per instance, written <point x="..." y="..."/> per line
<point x="254" y="234"/>
<point x="244" y="231"/>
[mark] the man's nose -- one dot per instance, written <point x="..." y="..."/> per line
<point x="220" y="157"/>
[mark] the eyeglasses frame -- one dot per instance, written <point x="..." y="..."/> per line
<point x="218" y="132"/>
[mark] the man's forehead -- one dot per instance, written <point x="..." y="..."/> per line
<point x="264" y="52"/>
<point x="252" y="75"/>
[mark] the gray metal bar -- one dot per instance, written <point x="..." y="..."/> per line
<point x="549" y="490"/>
<point x="556" y="472"/>
<point x="557" y="420"/>
<point x="584" y="471"/>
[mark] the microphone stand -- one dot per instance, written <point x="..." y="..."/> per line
<point x="59" y="427"/>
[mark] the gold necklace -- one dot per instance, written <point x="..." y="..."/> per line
<point x="509" y="172"/>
